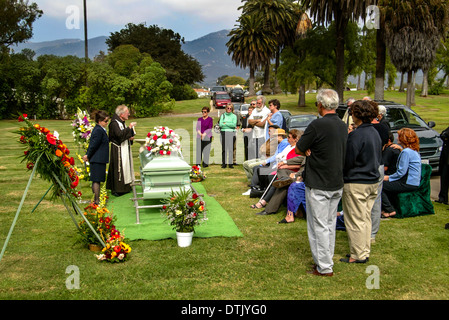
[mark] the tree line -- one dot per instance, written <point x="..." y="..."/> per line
<point x="328" y="46"/>
<point x="145" y="68"/>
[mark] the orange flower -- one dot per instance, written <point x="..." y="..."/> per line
<point x="37" y="126"/>
<point x="58" y="153"/>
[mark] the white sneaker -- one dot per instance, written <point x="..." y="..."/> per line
<point x="247" y="193"/>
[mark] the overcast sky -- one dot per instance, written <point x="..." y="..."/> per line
<point x="192" y="19"/>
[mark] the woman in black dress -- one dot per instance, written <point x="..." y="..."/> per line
<point x="98" y="153"/>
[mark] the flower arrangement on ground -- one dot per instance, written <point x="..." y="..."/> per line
<point x="162" y="141"/>
<point x="184" y="210"/>
<point x="196" y="174"/>
<point x="82" y="128"/>
<point x="116" y="250"/>
<point x="101" y="219"/>
<point x="55" y="164"/>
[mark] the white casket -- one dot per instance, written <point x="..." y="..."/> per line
<point x="160" y="175"/>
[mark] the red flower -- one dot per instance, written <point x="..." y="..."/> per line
<point x="164" y="136"/>
<point x="149" y="148"/>
<point x="168" y="152"/>
<point x="164" y="207"/>
<point x="51" y="139"/>
<point x="72" y="161"/>
<point x="161" y="152"/>
<point x="74" y="184"/>
<point x="23" y="140"/>
<point x="117" y="249"/>
<point x="190" y="204"/>
<point x="148" y="134"/>
<point x="30" y="165"/>
<point x="155" y="137"/>
<point x="194" y="196"/>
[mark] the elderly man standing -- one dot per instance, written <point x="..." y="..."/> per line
<point x="324" y="144"/>
<point x="257" y="121"/>
<point x="120" y="172"/>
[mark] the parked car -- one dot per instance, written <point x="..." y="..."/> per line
<point x="300" y="122"/>
<point x="215" y="89"/>
<point x="237" y="95"/>
<point x="221" y="99"/>
<point x="400" y="116"/>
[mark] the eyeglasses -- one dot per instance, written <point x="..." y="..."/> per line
<point x="253" y="104"/>
<point x="204" y="111"/>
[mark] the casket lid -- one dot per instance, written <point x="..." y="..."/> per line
<point x="166" y="163"/>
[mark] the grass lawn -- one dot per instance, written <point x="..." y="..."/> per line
<point x="268" y="262"/>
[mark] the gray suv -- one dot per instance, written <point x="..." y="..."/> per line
<point x="400" y="116"/>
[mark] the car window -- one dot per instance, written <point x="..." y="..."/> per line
<point x="222" y="96"/>
<point x="244" y="107"/>
<point x="400" y="118"/>
<point x="301" y="122"/>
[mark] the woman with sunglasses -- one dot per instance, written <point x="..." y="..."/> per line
<point x="98" y="153"/>
<point x="228" y="123"/>
<point x="204" y="127"/>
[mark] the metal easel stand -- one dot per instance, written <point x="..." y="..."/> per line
<point x="77" y="210"/>
<point x="19" y="209"/>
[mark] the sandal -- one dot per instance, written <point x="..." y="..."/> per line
<point x="285" y="220"/>
<point x="254" y="206"/>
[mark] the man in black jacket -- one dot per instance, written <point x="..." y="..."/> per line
<point x="444" y="168"/>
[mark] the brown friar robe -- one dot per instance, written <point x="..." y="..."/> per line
<point x="120" y="172"/>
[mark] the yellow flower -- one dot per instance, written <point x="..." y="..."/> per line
<point x="178" y="212"/>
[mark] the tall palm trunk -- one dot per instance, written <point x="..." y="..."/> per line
<point x="277" y="88"/>
<point x="252" y="78"/>
<point x="380" y="66"/>
<point x="302" y="96"/>
<point x="266" y="89"/>
<point x="410" y="88"/>
<point x="425" y="83"/>
<point x="340" y="54"/>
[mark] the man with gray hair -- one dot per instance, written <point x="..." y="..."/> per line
<point x="324" y="144"/>
<point x="257" y="121"/>
<point x="120" y="172"/>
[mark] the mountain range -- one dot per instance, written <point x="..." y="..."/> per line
<point x="210" y="51"/>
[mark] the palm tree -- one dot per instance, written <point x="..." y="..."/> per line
<point x="413" y="30"/>
<point x="280" y="17"/>
<point x="340" y="11"/>
<point x="251" y="45"/>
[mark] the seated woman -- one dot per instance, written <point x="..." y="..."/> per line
<point x="408" y="174"/>
<point x="288" y="161"/>
<point x="296" y="200"/>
